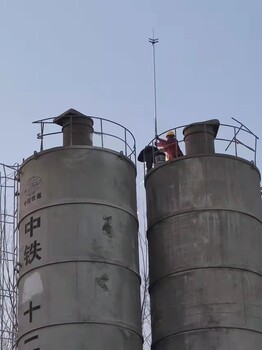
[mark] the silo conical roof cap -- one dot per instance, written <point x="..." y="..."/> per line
<point x="213" y="123"/>
<point x="70" y="113"/>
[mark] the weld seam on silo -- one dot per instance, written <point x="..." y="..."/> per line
<point x="57" y="204"/>
<point x="203" y="330"/>
<point x="83" y="261"/>
<point x="180" y="272"/>
<point x="217" y="155"/>
<point x="119" y="325"/>
<point x="82" y="147"/>
<point x="204" y="210"/>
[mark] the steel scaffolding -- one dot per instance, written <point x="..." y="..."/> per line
<point x="8" y="255"/>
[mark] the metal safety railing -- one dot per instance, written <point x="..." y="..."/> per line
<point x="9" y="192"/>
<point x="236" y="140"/>
<point x="107" y="134"/>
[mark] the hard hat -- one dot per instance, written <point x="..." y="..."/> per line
<point x="170" y="133"/>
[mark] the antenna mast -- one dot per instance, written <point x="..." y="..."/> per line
<point x="154" y="41"/>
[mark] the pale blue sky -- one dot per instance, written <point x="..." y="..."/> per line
<point x="94" y="56"/>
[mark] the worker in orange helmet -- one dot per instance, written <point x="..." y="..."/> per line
<point x="170" y="145"/>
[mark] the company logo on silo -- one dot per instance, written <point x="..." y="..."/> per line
<point x="33" y="185"/>
<point x="32" y="190"/>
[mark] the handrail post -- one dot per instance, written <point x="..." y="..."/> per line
<point x="102" y="135"/>
<point x="134" y="151"/>
<point x="177" y="145"/>
<point x="235" y="141"/>
<point x="42" y="136"/>
<point x="71" y="128"/>
<point x="125" y="143"/>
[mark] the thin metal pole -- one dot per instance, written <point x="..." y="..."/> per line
<point x="125" y="143"/>
<point x="71" y="136"/>
<point x="42" y="137"/>
<point x="235" y="139"/>
<point x="154" y="41"/>
<point x="101" y="130"/>
<point x="1" y="273"/>
<point x="255" y="158"/>
<point x="14" y="256"/>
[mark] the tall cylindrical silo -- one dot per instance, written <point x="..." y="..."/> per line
<point x="205" y="242"/>
<point x="79" y="285"/>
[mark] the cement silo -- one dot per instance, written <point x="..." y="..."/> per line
<point x="79" y="285"/>
<point x="205" y="243"/>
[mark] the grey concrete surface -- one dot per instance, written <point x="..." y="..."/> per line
<point x="205" y="242"/>
<point x="79" y="283"/>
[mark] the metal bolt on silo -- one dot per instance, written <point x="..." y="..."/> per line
<point x="205" y="243"/>
<point x="79" y="285"/>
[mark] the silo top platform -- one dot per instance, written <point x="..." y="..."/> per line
<point x="79" y="129"/>
<point x="204" y="138"/>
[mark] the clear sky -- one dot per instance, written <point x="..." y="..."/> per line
<point x="94" y="56"/>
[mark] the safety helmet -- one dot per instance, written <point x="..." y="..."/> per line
<point x="170" y="133"/>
